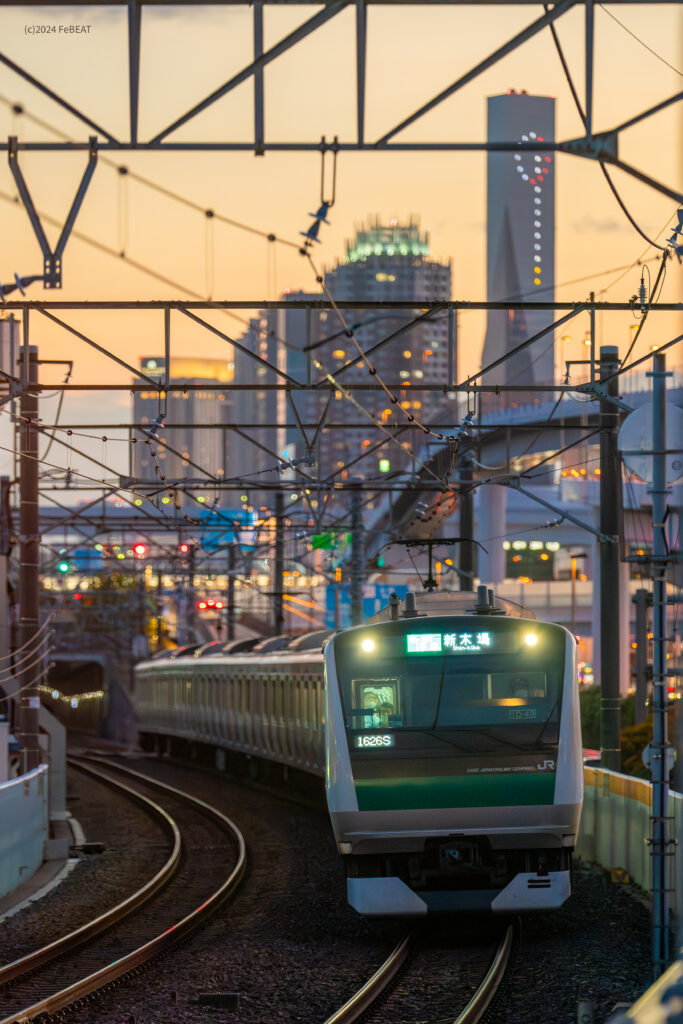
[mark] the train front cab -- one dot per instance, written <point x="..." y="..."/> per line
<point x="454" y="777"/>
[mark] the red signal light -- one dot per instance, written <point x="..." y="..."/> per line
<point x="139" y="550"/>
<point x="218" y="604"/>
<point x="183" y="548"/>
<point x="77" y="597"/>
<point x="201" y="604"/>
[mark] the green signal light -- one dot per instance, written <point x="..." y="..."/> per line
<point x="63" y="566"/>
<point x="384" y="465"/>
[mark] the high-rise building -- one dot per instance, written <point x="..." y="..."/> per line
<point x="520" y="266"/>
<point x="382" y="263"/>
<point x="520" y="231"/>
<point x="385" y="263"/>
<point x="188" y="439"/>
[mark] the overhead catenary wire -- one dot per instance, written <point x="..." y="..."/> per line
<point x="109" y="469"/>
<point x="641" y="41"/>
<point x="30" y="684"/>
<point x="584" y="121"/>
<point x="413" y="418"/>
<point x="28" y="643"/>
<point x="28" y="661"/>
<point x="125" y="173"/>
<point x="660" y="278"/>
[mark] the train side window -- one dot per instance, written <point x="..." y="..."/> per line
<point x="304" y="704"/>
<point x="376" y="703"/>
<point x="315" y="704"/>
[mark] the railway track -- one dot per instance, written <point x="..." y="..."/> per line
<point x="180" y="896"/>
<point x="361" y="1003"/>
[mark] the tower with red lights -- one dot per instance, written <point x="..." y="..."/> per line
<point x="520" y="252"/>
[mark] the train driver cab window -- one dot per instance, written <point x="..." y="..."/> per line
<point x="519" y="685"/>
<point x="376" y="704"/>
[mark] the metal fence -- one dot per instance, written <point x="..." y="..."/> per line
<point x="24" y="817"/>
<point x="615" y="826"/>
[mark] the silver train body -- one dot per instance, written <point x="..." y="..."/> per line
<point x="449" y="741"/>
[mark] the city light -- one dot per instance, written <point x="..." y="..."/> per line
<point x="531" y="639"/>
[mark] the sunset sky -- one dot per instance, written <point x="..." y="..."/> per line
<point x="413" y="52"/>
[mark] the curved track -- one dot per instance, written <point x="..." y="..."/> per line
<point x="361" y="1002"/>
<point x="34" y="985"/>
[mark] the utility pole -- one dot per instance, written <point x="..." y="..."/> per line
<point x="466" y="502"/>
<point x="230" y="601"/>
<point x="610" y="521"/>
<point x="357" y="559"/>
<point x="5" y="531"/>
<point x="159" y="605"/>
<point x="279" y="564"/>
<point x="29" y="554"/>
<point x="190" y="590"/>
<point x="641" y="599"/>
<point x="574" y="558"/>
<point x="660" y="750"/>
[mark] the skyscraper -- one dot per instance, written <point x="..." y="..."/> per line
<point x="383" y="262"/>
<point x="520" y="266"/>
<point x="520" y="252"/>
<point x="188" y="438"/>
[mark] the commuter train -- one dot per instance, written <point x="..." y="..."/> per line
<point x="448" y="733"/>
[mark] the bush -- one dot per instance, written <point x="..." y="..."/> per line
<point x="634" y="738"/>
<point x="589" y="698"/>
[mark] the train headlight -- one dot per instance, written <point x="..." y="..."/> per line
<point x="531" y="639"/>
<point x="368" y="645"/>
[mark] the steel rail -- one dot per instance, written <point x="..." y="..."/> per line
<point x="78" y="936"/>
<point x="373" y="987"/>
<point x="363" y="999"/>
<point x="123" y="965"/>
<point x="481" y="1000"/>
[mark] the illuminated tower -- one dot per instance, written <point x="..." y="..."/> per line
<point x="520" y="254"/>
<point x="520" y="266"/>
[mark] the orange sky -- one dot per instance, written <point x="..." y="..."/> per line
<point x="412" y="54"/>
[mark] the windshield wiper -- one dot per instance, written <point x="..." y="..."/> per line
<point x="438" y="702"/>
<point x="443" y="739"/>
<point x="546" y="723"/>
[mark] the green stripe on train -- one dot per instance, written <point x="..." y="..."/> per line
<point x="455" y="791"/>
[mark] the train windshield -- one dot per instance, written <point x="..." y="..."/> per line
<point x="455" y="681"/>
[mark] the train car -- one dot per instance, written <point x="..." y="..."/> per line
<point x="454" y="774"/>
<point x="448" y="733"/>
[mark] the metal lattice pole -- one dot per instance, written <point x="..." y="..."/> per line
<point x="610" y="499"/>
<point x="659" y="748"/>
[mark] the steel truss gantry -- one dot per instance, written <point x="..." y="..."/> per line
<point x="324" y="380"/>
<point x="600" y="146"/>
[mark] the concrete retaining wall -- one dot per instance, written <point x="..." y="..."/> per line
<point x="23" y="827"/>
<point x="615" y="826"/>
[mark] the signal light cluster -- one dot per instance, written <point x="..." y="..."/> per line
<point x="210" y="605"/>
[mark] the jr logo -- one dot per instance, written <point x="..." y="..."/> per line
<point x="547" y="766"/>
